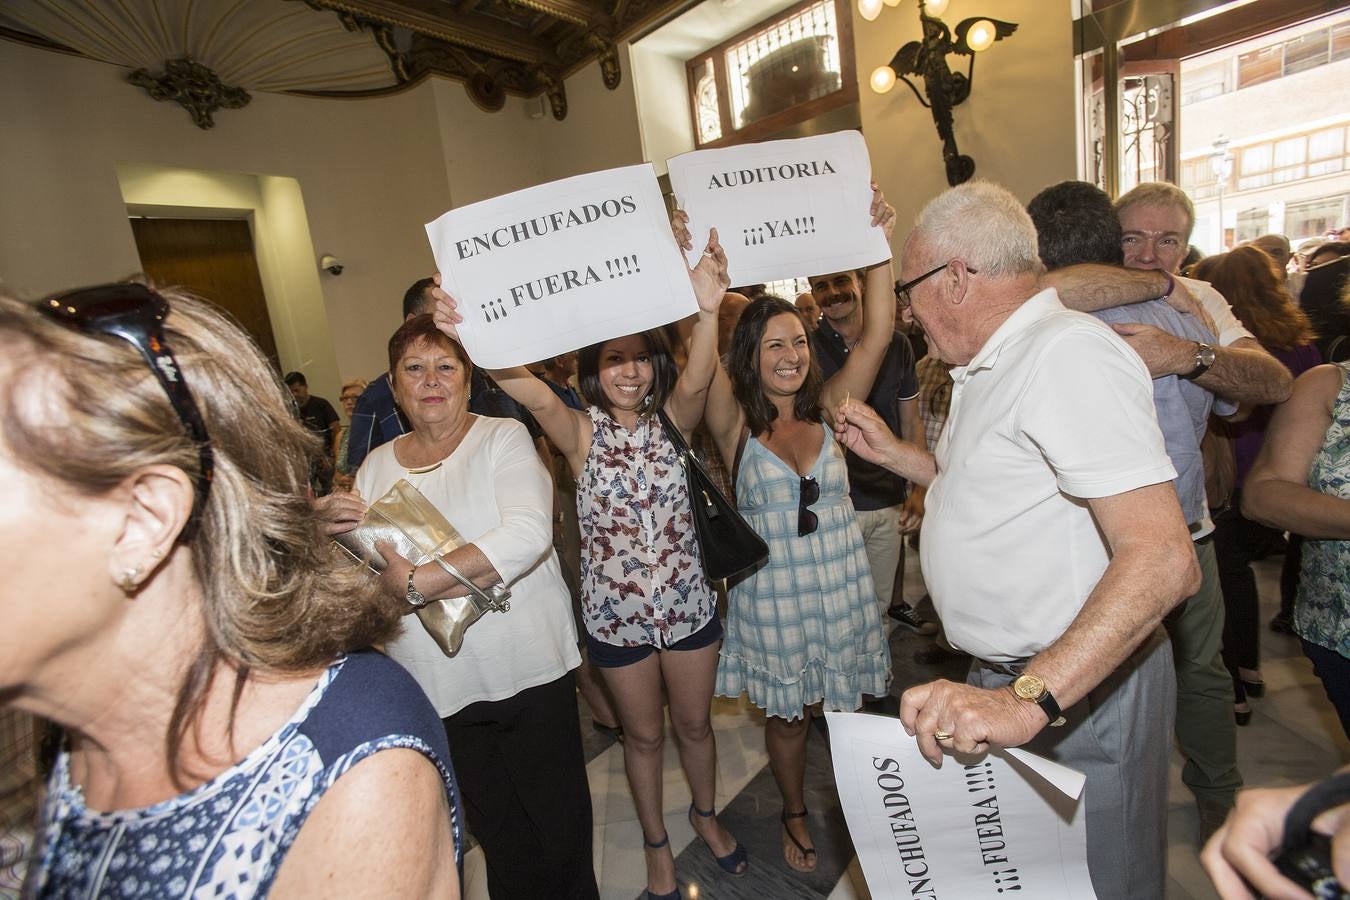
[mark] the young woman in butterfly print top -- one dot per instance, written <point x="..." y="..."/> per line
<point x="650" y="613"/>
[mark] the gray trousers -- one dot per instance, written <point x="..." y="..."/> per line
<point x="1206" y="731"/>
<point x="1120" y="737"/>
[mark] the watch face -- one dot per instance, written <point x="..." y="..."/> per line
<point x="1029" y="687"/>
<point x="1205" y="355"/>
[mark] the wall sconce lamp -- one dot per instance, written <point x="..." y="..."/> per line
<point x="927" y="59"/>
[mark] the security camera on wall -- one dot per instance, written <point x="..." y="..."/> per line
<point x="330" y="265"/>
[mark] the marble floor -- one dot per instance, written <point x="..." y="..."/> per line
<point x="1293" y="737"/>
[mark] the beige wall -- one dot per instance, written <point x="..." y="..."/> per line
<point x="508" y="138"/>
<point x="662" y="93"/>
<point x="601" y="129"/>
<point x="274" y="207"/>
<point x="522" y="145"/>
<point x="368" y="174"/>
<point x="1018" y="124"/>
<point x="363" y="176"/>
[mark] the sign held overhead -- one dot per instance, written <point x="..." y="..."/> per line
<point x="552" y="268"/>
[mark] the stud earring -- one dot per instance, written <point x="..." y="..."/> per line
<point x="128" y="582"/>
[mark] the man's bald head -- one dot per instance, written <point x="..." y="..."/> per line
<point x="728" y="314"/>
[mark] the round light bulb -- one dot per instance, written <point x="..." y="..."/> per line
<point x="935" y="7"/>
<point x="883" y="79"/>
<point x="869" y="9"/>
<point x="980" y="36"/>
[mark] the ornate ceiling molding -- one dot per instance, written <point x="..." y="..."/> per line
<point x="192" y="86"/>
<point x="340" y="48"/>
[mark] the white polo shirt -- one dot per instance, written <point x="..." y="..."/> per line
<point x="1229" y="329"/>
<point x="1227" y="326"/>
<point x="1053" y="410"/>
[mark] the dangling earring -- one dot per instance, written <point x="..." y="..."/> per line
<point x="128" y="582"/>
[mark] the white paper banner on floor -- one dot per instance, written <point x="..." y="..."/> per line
<point x="552" y="268"/>
<point x="989" y="827"/>
<point x="783" y="208"/>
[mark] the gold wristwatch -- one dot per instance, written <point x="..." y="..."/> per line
<point x="1032" y="689"/>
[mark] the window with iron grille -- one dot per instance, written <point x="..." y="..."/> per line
<point x="785" y="70"/>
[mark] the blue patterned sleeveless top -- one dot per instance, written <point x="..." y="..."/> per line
<point x="1322" y="607"/>
<point x="228" y="837"/>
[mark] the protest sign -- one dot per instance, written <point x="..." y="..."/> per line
<point x="552" y="268"/>
<point x="783" y="208"/>
<point x="979" y="827"/>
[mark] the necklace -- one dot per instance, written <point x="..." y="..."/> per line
<point x="442" y="449"/>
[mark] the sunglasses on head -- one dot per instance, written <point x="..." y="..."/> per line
<point x="135" y="314"/>
<point x="807" y="521"/>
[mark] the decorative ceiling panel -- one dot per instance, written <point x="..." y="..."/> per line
<point x="260" y="45"/>
<point x="207" y="54"/>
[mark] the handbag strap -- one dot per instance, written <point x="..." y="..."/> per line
<point x="673" y="434"/>
<point x="496" y="598"/>
<point x="1319" y="798"/>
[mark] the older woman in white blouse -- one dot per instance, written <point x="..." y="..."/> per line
<point x="508" y="697"/>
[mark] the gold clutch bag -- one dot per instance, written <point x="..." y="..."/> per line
<point x="417" y="530"/>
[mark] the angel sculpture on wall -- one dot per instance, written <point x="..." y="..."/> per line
<point x="945" y="89"/>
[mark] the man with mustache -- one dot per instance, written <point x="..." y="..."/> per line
<point x="878" y="495"/>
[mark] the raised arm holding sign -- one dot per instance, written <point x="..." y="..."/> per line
<point x="811" y="609"/>
<point x="785" y="208"/>
<point x="562" y="265"/>
<point x="643" y="586"/>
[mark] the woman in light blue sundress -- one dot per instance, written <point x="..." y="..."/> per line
<point x="1300" y="482"/>
<point x="804" y="628"/>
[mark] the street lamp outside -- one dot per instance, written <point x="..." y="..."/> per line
<point x="1222" y="163"/>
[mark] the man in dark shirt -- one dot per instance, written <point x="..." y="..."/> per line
<point x="319" y="417"/>
<point x="878" y="495"/>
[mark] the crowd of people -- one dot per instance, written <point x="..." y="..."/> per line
<point x="1090" y="445"/>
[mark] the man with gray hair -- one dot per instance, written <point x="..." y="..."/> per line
<point x="1075" y="222"/>
<point x="1053" y="542"/>
<point x="1156" y="220"/>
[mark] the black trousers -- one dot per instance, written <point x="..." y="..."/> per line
<point x="1334" y="670"/>
<point x="1238" y="541"/>
<point x="523" y="778"/>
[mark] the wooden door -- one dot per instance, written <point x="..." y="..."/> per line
<point x="212" y="258"/>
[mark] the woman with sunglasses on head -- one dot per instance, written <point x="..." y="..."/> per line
<point x="804" y="629"/>
<point x="650" y="612"/>
<point x="167" y="604"/>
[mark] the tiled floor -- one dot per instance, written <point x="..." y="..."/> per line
<point x="1293" y="737"/>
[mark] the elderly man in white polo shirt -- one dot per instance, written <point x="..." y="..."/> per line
<point x="1053" y="543"/>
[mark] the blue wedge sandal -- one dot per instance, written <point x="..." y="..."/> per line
<point x="735" y="862"/>
<point x="673" y="895"/>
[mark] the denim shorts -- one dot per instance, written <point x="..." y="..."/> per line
<point x="610" y="656"/>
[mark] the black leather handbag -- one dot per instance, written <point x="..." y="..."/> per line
<point x="729" y="546"/>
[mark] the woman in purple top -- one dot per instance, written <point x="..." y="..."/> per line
<point x="1250" y="281"/>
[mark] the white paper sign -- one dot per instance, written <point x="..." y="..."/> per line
<point x="783" y="208"/>
<point x="979" y="827"/>
<point x="552" y="268"/>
